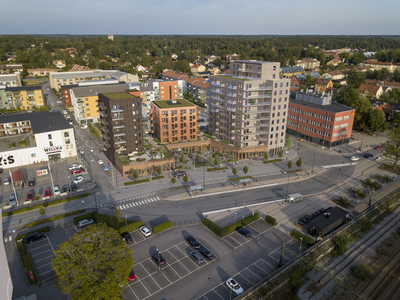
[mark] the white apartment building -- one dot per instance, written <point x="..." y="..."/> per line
<point x="10" y="80"/>
<point x="249" y="107"/>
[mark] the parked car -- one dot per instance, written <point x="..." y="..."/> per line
<point x="193" y="242"/>
<point x="75" y="166"/>
<point x="159" y="260"/>
<point x="65" y="188"/>
<point x="31" y="182"/>
<point x="12" y="201"/>
<point x="234" y="286"/>
<point x="127" y="238"/>
<point x="6" y="181"/>
<point x="196" y="257"/>
<point x="29" y="197"/>
<point x="132" y="276"/>
<point x="100" y="162"/>
<point x="178" y="173"/>
<point x="30" y="238"/>
<point x="144" y="230"/>
<point x="378" y="147"/>
<point x="354" y="158"/>
<point x="85" y="222"/>
<point x="78" y="179"/>
<point x="65" y="112"/>
<point x="82" y="152"/>
<point x="74" y="187"/>
<point x="368" y="155"/>
<point x="57" y="191"/>
<point x="77" y="171"/>
<point x="47" y="193"/>
<point x="105" y="168"/>
<point x="379" y="157"/>
<point x="206" y="254"/>
<point x="243" y="231"/>
<point x="84" y="126"/>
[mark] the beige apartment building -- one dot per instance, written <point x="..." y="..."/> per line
<point x="249" y="107"/>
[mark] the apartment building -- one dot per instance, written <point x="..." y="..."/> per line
<point x="248" y="108"/>
<point x="314" y="117"/>
<point x="69" y="78"/>
<point x="25" y="97"/>
<point x="121" y="124"/>
<point x="10" y="80"/>
<point x="174" y="120"/>
<point x="85" y="100"/>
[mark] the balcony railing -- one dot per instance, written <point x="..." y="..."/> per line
<point x="217" y="84"/>
<point x="117" y="142"/>
<point x="118" y="125"/>
<point x="257" y="111"/>
<point x="119" y="134"/>
<point x="101" y="114"/>
<point x="257" y="96"/>
<point x="230" y="109"/>
<point x="119" y="117"/>
<point x="120" y="149"/>
<point x="257" y="104"/>
<point x="116" y="110"/>
<point x="260" y="88"/>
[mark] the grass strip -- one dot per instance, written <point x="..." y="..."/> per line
<point x="53" y="218"/>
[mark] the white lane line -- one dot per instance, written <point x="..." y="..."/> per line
<point x="46" y="272"/>
<point x="260" y="268"/>
<point x="120" y="207"/>
<point x="178" y="260"/>
<point x="41" y="253"/>
<point x="133" y="203"/>
<point x="218" y="294"/>
<point x="43" y="266"/>
<point x="10" y="238"/>
<point x="253" y="273"/>
<point x="244" y="278"/>
<point x="254" y="229"/>
<point x="44" y="258"/>
<point x="133" y="291"/>
<point x="266" y="263"/>
<point x="158" y="198"/>
<point x="273" y="257"/>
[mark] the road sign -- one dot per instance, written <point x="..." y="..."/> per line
<point x="30" y="273"/>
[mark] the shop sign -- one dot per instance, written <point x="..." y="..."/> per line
<point x="51" y="150"/>
<point x="42" y="172"/>
<point x="7" y="160"/>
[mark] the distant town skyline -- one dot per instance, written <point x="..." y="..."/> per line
<point x="156" y="17"/>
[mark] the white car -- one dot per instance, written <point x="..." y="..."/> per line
<point x="82" y="152"/>
<point x="84" y="126"/>
<point x="353" y="158"/>
<point x="75" y="166"/>
<point x="57" y="191"/>
<point x="78" y="179"/>
<point x="100" y="162"/>
<point x="144" y="230"/>
<point x="65" y="112"/>
<point x="234" y="286"/>
<point x="6" y="181"/>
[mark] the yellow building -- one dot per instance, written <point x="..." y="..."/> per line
<point x="321" y="85"/>
<point x="25" y="97"/>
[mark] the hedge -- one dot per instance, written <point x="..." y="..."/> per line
<point x="43" y="229"/>
<point x="270" y="220"/>
<point x="155" y="178"/>
<point x="53" y="218"/>
<point x="161" y="227"/>
<point x="238" y="178"/>
<point x="212" y="226"/>
<point x="137" y="181"/>
<point x="131" y="226"/>
<point x="272" y="161"/>
<point x="307" y="240"/>
<point x="221" y="232"/>
<point x="46" y="204"/>
<point x="216" y="169"/>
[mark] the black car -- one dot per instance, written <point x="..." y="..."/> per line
<point x="368" y="155"/>
<point x="159" y="260"/>
<point x="243" y="231"/>
<point x="127" y="238"/>
<point x="31" y="182"/>
<point x="1" y="170"/>
<point x="30" y="238"/>
<point x="193" y="242"/>
<point x="74" y="187"/>
<point x="65" y="188"/>
<point x="206" y="254"/>
<point x="178" y="173"/>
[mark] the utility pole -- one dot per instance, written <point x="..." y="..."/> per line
<point x="362" y="141"/>
<point x="281" y="258"/>
<point x="315" y="150"/>
<point x="51" y="177"/>
<point x="370" y="199"/>
<point x="12" y="183"/>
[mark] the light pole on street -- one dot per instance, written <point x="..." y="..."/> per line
<point x="235" y="219"/>
<point x="12" y="183"/>
<point x="91" y="163"/>
<point x="301" y="242"/>
<point x="159" y="263"/>
<point x="315" y="150"/>
<point x="51" y="177"/>
<point x="126" y="222"/>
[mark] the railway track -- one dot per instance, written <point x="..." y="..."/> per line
<point x="395" y="295"/>
<point x="351" y="257"/>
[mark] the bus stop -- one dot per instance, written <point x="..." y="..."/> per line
<point x="196" y="189"/>
<point x="295" y="198"/>
<point x="245" y="182"/>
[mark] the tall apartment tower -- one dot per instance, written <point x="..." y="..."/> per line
<point x="121" y="124"/>
<point x="249" y="107"/>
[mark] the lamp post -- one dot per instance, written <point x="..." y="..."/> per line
<point x="362" y="141"/>
<point x="51" y="177"/>
<point x="66" y="178"/>
<point x="126" y="222"/>
<point x="235" y="219"/>
<point x="12" y="183"/>
<point x="315" y="150"/>
<point x="159" y="263"/>
<point x="301" y="242"/>
<point x="287" y="186"/>
<point x="91" y="163"/>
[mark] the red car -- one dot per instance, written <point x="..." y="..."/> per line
<point x="132" y="276"/>
<point x="77" y="171"/>
<point x="29" y="197"/>
<point x="378" y="147"/>
<point x="47" y="193"/>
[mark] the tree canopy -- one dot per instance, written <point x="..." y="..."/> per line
<point x="93" y="264"/>
<point x="393" y="146"/>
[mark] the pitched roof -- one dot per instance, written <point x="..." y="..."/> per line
<point x="367" y="88"/>
<point x="294" y="69"/>
<point x="386" y="108"/>
<point x="177" y="75"/>
<point x="321" y="81"/>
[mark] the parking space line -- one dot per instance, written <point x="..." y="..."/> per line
<point x="155" y="281"/>
<point x="40" y="253"/>
<point x="218" y="294"/>
<point x="44" y="258"/>
<point x="166" y="277"/>
<point x="260" y="269"/>
<point x="144" y="267"/>
<point x="43" y="266"/>
<point x="133" y="291"/>
<point x="178" y="260"/>
<point x="283" y="255"/>
<point x="145" y="287"/>
<point x="244" y="277"/>
<point x="240" y="244"/>
<point x="35" y="248"/>
<point x="273" y="257"/>
<point x="266" y="263"/>
<point x="46" y="272"/>
<point x="252" y="273"/>
<point x="254" y="229"/>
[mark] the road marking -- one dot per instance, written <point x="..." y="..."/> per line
<point x="133" y="291"/>
<point x="158" y="198"/>
<point x="218" y="295"/>
<point x="43" y="265"/>
<point x="244" y="277"/>
<point x="253" y="273"/>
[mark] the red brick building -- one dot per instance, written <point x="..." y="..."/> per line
<point x="314" y="117"/>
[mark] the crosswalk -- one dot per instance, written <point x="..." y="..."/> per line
<point x="140" y="200"/>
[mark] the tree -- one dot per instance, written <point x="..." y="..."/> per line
<point x="280" y="153"/>
<point x="290" y="164"/>
<point x="265" y="156"/>
<point x="93" y="264"/>
<point x="309" y="81"/>
<point x="197" y="157"/>
<point x="393" y="146"/>
<point x="42" y="211"/>
<point x="362" y="271"/>
<point x="288" y="142"/>
<point x="355" y="79"/>
<point x="210" y="161"/>
<point x="299" y="162"/>
<point x="396" y="119"/>
<point x="116" y="215"/>
<point x="377" y="121"/>
<point x="173" y="180"/>
<point x="234" y="171"/>
<point x="217" y="160"/>
<point x="159" y="171"/>
<point x="345" y="55"/>
<point x="185" y="178"/>
<point x="245" y="169"/>
<point x="136" y="174"/>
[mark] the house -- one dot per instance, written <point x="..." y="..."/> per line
<point x="392" y="84"/>
<point x="334" y="53"/>
<point x="41" y="72"/>
<point x="11" y="67"/>
<point x="366" y="89"/>
<point x="110" y="37"/>
<point x="197" y="68"/>
<point x="174" y="56"/>
<point x="210" y="59"/>
<point x="334" y="62"/>
<point x="299" y="79"/>
<point x="11" y="57"/>
<point x="140" y="68"/>
<point x="127" y="63"/>
<point x="321" y="85"/>
<point x="291" y="71"/>
<point x="214" y="71"/>
<point x="379" y="65"/>
<point x="231" y="57"/>
<point x="307" y="63"/>
<point x="59" y="63"/>
<point x="387" y="110"/>
<point x="335" y="75"/>
<point x="76" y="67"/>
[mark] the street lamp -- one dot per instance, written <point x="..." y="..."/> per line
<point x="159" y="264"/>
<point x="91" y="162"/>
<point x="287" y="186"/>
<point x="51" y="177"/>
<point x="315" y="150"/>
<point x="126" y="222"/>
<point x="12" y="183"/>
<point x="301" y="241"/>
<point x="235" y="219"/>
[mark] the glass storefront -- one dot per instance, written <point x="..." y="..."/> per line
<point x="54" y="156"/>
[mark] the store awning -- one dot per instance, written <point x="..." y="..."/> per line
<point x="17" y="176"/>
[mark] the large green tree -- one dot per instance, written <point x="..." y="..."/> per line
<point x="355" y="79"/>
<point x="93" y="264"/>
<point x="393" y="146"/>
<point x="376" y="121"/>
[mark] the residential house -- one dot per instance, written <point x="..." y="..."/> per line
<point x="127" y="63"/>
<point x="210" y="59"/>
<point x="140" y="68"/>
<point x="335" y="75"/>
<point x="392" y="84"/>
<point x="199" y="88"/>
<point x="110" y="37"/>
<point x="174" y="56"/>
<point x="231" y="57"/>
<point x="291" y="71"/>
<point x="11" y="67"/>
<point x="321" y="85"/>
<point x="76" y="67"/>
<point x="59" y="63"/>
<point x="366" y="89"/>
<point x="308" y="63"/>
<point x="387" y="110"/>
<point x="334" y="53"/>
<point x="41" y="72"/>
<point x="334" y="62"/>
<point x="380" y="65"/>
<point x="197" y="68"/>
<point x="214" y="71"/>
<point x="299" y="79"/>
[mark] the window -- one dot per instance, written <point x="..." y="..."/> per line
<point x="343" y="125"/>
<point x="273" y="108"/>
<point x="338" y="119"/>
<point x="281" y="84"/>
<point x="67" y="141"/>
<point x="49" y="136"/>
<point x="51" y="144"/>
<point x="87" y="104"/>
<point x="280" y="99"/>
<point x="287" y="84"/>
<point x="274" y="100"/>
<point x="286" y="92"/>
<point x="279" y="107"/>
<point x="285" y="98"/>
<point x="274" y="93"/>
<point x="346" y="117"/>
<point x="66" y="134"/>
<point x="276" y="85"/>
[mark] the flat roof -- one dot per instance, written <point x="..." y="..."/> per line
<point x="232" y="77"/>
<point x="170" y="104"/>
<point x="118" y="95"/>
<point x="42" y="121"/>
<point x="24" y="88"/>
<point x="88" y="74"/>
<point x="335" y="214"/>
<point x="333" y="107"/>
<point x="255" y="62"/>
<point x="95" y="90"/>
<point x="8" y="77"/>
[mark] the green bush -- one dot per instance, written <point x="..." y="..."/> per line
<point x="161" y="227"/>
<point x="131" y="227"/>
<point x="307" y="240"/>
<point x="221" y="232"/>
<point x="140" y="159"/>
<point x="154" y="178"/>
<point x="148" y="147"/>
<point x="137" y="181"/>
<point x="270" y="220"/>
<point x="216" y="169"/>
<point x="340" y="242"/>
<point x="225" y="142"/>
<point x="238" y="178"/>
<point x="365" y="225"/>
<point x="271" y="161"/>
<point x="342" y="201"/>
<point x="362" y="271"/>
<point x="212" y="226"/>
<point x="43" y="229"/>
<point x="53" y="218"/>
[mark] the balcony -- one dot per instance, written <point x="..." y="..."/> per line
<point x="118" y="125"/>
<point x="98" y="106"/>
<point x="216" y="98"/>
<point x="216" y="105"/>
<point x="231" y="109"/>
<point x="103" y="121"/>
<point x="257" y="124"/>
<point x="101" y="114"/>
<point x="257" y="104"/>
<point x="214" y="110"/>
<point x="117" y="142"/>
<point x="231" y="102"/>
<point x="117" y="110"/>
<point x="217" y="84"/>
<point x="231" y="87"/>
<point x="260" y="88"/>
<point x="119" y="134"/>
<point x="257" y="96"/>
<point x="258" y="111"/>
<point x="119" y="117"/>
<point x="123" y="148"/>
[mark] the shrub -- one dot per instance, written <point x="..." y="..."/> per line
<point x="362" y="271"/>
<point x="37" y="197"/>
<point x="271" y="161"/>
<point x="212" y="226"/>
<point x="307" y="240"/>
<point x="42" y="211"/>
<point x="342" y="201"/>
<point x="148" y="147"/>
<point x="131" y="226"/>
<point x="216" y="169"/>
<point x="11" y="145"/>
<point x="161" y="227"/>
<point x="238" y="178"/>
<point x="224" y="141"/>
<point x="22" y="143"/>
<point x="43" y="229"/>
<point x="340" y="242"/>
<point x="221" y="232"/>
<point x="270" y="220"/>
<point x="157" y="177"/>
<point x="140" y="159"/>
<point x="365" y="225"/>
<point x="137" y="181"/>
<point x="53" y="218"/>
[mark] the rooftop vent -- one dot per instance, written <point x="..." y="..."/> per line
<point x="327" y="215"/>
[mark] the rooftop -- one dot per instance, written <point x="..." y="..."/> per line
<point x="170" y="104"/>
<point x="118" y="95"/>
<point x="23" y="88"/>
<point x="95" y="90"/>
<point x="332" y="107"/>
<point x="88" y="74"/>
<point x="335" y="214"/>
<point x="232" y="77"/>
<point x="8" y="77"/>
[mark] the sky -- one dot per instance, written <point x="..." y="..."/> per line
<point x="204" y="17"/>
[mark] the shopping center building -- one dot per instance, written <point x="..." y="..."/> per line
<point x="28" y="138"/>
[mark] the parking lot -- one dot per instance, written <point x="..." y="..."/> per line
<point x="150" y="280"/>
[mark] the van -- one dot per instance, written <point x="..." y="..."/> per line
<point x="196" y="257"/>
<point x="85" y="222"/>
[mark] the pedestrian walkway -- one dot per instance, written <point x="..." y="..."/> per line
<point x="134" y="201"/>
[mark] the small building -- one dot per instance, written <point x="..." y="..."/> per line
<point x="387" y="110"/>
<point x="321" y="85"/>
<point x="327" y="221"/>
<point x="366" y="89"/>
<point x="291" y="71"/>
<point x="59" y="63"/>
